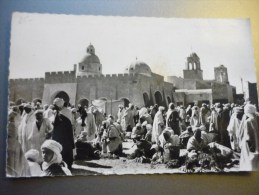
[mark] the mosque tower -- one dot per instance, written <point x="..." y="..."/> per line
<point x="193" y="68"/>
<point x="221" y="74"/>
<point x="90" y="64"/>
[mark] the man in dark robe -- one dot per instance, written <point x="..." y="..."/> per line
<point x="63" y="133"/>
<point x="224" y="119"/>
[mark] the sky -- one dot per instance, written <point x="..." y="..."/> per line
<point x="53" y="42"/>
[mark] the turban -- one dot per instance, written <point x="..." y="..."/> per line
<point x="237" y="109"/>
<point x="249" y="109"/>
<point x="56" y="148"/>
<point x="149" y="127"/>
<point x="32" y="155"/>
<point x="27" y="106"/>
<point x="142" y="111"/>
<point x="59" y="102"/>
<point x="144" y="123"/>
<point x="73" y="110"/>
<point x="130" y="105"/>
<point x="154" y="146"/>
<point x="53" y="146"/>
<point x="161" y="108"/>
<point x="171" y="104"/>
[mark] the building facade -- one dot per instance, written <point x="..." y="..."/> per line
<point x="138" y="84"/>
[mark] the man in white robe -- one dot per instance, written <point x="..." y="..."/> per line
<point x="249" y="158"/>
<point x="25" y="128"/>
<point x="86" y="124"/>
<point x="233" y="128"/>
<point x="41" y="130"/>
<point x="158" y="125"/>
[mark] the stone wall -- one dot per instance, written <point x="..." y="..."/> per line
<point x="26" y="89"/>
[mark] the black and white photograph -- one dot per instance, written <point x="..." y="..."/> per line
<point x="113" y="95"/>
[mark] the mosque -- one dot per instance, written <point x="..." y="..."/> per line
<point x="86" y="85"/>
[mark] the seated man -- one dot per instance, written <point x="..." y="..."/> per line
<point x="185" y="136"/>
<point x="111" y="139"/>
<point x="196" y="142"/>
<point x="170" y="144"/>
<point x="137" y="132"/>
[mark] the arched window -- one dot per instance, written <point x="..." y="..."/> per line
<point x="158" y="98"/>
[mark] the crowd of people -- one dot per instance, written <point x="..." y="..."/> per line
<point x="45" y="140"/>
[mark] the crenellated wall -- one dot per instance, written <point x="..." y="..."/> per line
<point x="60" y="77"/>
<point x="26" y="89"/>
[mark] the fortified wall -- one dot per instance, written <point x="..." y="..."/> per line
<point x="26" y="89"/>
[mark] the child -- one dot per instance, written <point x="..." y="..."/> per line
<point x="32" y="156"/>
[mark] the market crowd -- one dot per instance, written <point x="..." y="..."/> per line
<point x="45" y="140"/>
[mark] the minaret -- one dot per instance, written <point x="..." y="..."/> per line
<point x="193" y="68"/>
<point x="221" y="74"/>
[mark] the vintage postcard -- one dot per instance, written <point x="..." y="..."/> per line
<point x="102" y="95"/>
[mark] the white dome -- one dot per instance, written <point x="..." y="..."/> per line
<point x="139" y="67"/>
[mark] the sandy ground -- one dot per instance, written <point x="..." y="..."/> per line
<point x="123" y="166"/>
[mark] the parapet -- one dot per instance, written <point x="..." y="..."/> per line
<point x="26" y="80"/>
<point x="105" y="77"/>
<point x="60" y="77"/>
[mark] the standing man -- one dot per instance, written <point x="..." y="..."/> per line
<point x="41" y="130"/>
<point x="158" y="125"/>
<point x="63" y="132"/>
<point x="25" y="127"/>
<point x="249" y="157"/>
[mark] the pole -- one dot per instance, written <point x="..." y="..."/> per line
<point x="111" y="106"/>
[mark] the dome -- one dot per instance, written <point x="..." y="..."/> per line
<point x="90" y="58"/>
<point x="90" y="64"/>
<point x="139" y="67"/>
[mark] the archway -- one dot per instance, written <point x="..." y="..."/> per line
<point x="84" y="102"/>
<point x="125" y="102"/>
<point x="158" y="98"/>
<point x="20" y="101"/>
<point x="146" y="100"/>
<point x="63" y="95"/>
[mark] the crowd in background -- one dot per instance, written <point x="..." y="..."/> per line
<point x="45" y="140"/>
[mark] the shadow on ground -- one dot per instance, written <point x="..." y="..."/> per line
<point x="83" y="172"/>
<point x="92" y="165"/>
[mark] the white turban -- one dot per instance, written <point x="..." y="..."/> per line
<point x="161" y="108"/>
<point x="59" y="102"/>
<point x="249" y="109"/>
<point x="28" y="106"/>
<point x="52" y="145"/>
<point x="56" y="148"/>
<point x="149" y="127"/>
<point x="32" y="155"/>
<point x="142" y="112"/>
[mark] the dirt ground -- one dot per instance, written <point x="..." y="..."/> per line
<point x="123" y="165"/>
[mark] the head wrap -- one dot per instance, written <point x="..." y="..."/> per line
<point x="154" y="146"/>
<point x="149" y="127"/>
<point x="249" y="109"/>
<point x="144" y="124"/>
<point x="59" y="102"/>
<point x="56" y="148"/>
<point x="28" y="106"/>
<point x="142" y="112"/>
<point x="32" y="155"/>
<point x="161" y="108"/>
